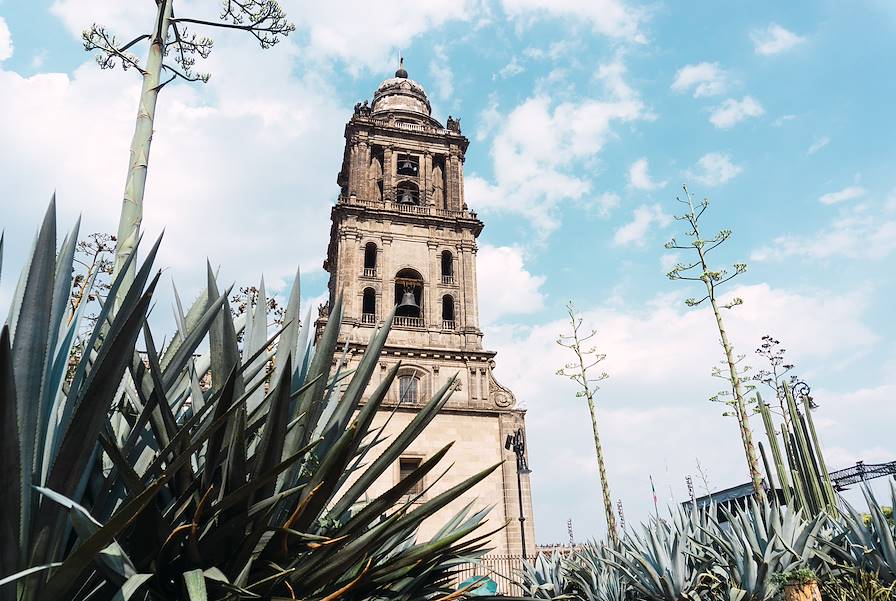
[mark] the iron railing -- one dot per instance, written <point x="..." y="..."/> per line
<point x="505" y="570"/>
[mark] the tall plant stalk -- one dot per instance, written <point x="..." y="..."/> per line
<point x="577" y="371"/>
<point x="135" y="184"/>
<point x="700" y="271"/>
<point x="168" y="38"/>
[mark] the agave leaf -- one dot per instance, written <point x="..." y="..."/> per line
<point x="270" y="448"/>
<point x="401" y="442"/>
<point x="194" y="581"/>
<point x="69" y="573"/>
<point x="30" y="332"/>
<point x="223" y="346"/>
<point x="10" y="463"/>
<point x="254" y="340"/>
<point x="28" y="572"/>
<point x="289" y="338"/>
<point x="308" y="404"/>
<point x="66" y="476"/>
<point x="131" y="586"/>
<point x="61" y="288"/>
<point x="370" y="512"/>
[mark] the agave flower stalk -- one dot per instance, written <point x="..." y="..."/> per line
<point x="712" y="279"/>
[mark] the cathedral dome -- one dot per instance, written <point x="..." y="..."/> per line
<point x="401" y="94"/>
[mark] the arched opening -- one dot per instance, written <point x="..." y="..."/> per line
<point x="370" y="259"/>
<point x="448" y="312"/>
<point x="407" y="193"/>
<point x="409" y="298"/>
<point x="408" y="165"/>
<point x="447" y="267"/>
<point x="408" y="389"/>
<point x="368" y="306"/>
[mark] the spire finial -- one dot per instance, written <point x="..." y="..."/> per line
<point x="401" y="71"/>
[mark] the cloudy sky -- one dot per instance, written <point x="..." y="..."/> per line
<point x="585" y="118"/>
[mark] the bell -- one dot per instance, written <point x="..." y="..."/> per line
<point x="408" y="303"/>
<point x="406" y="197"/>
<point x="407" y="165"/>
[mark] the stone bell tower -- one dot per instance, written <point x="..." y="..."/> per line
<point x="403" y="236"/>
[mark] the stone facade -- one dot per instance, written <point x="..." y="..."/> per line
<point x="402" y="235"/>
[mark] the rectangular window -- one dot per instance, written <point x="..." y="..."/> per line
<point x="406" y="465"/>
<point x="407" y="389"/>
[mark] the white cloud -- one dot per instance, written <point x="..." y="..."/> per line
<point x="74" y="131"/>
<point x="357" y="33"/>
<point x="540" y="142"/>
<point x="848" y="193"/>
<point x="707" y="79"/>
<point x="640" y="179"/>
<point x="505" y="285"/>
<point x="440" y="71"/>
<point x="714" y="169"/>
<point x="732" y="112"/>
<point x="613" y="18"/>
<point x="643" y="219"/>
<point x="489" y="118"/>
<point x="668" y="261"/>
<point x="774" y="39"/>
<point x="658" y="356"/>
<point x="783" y="119"/>
<point x="6" y="46"/>
<point x="818" y="145"/>
<point x="854" y="234"/>
<point x="603" y="205"/>
<point x="510" y="69"/>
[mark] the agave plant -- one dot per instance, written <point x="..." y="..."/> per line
<point x="758" y="543"/>
<point x="546" y="578"/>
<point x="867" y="546"/>
<point x="662" y="563"/>
<point x="594" y="577"/>
<point x="133" y="480"/>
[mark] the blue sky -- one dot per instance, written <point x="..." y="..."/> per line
<point x="584" y="118"/>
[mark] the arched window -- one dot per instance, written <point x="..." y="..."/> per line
<point x="370" y="259"/>
<point x="407" y="193"/>
<point x="448" y="312"/>
<point x="447" y="267"/>
<point x="407" y="389"/>
<point x="368" y="306"/>
<point x="409" y="298"/>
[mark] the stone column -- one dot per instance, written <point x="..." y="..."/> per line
<point x="473" y="286"/>
<point x="453" y="190"/>
<point x="388" y="275"/>
<point x="426" y="192"/>
<point x="388" y="171"/>
<point x="460" y="185"/>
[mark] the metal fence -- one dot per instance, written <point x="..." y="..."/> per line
<point x="503" y="569"/>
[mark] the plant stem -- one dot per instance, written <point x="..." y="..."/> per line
<point x="135" y="185"/>
<point x="739" y="403"/>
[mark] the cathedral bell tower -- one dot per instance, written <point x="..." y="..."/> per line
<point x="402" y="236"/>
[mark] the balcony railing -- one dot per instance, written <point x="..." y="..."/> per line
<point x="448" y="324"/>
<point x="370" y="272"/>
<point x="368" y="318"/>
<point x="388" y="205"/>
<point x="447" y="279"/>
<point x="408" y="322"/>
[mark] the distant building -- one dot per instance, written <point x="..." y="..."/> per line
<point x="403" y="235"/>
